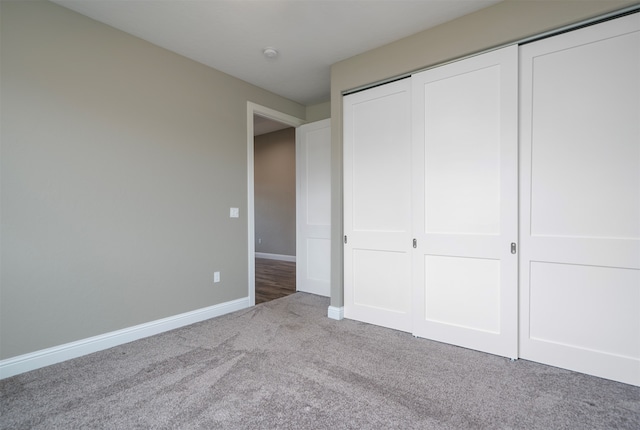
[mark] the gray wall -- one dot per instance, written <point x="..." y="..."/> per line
<point x="275" y="192"/>
<point x="505" y="22"/>
<point x="120" y="161"/>
<point x="318" y="112"/>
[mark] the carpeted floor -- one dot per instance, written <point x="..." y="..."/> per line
<point x="285" y="365"/>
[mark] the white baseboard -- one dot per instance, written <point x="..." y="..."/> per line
<point x="46" y="357"/>
<point x="336" y="313"/>
<point x="280" y="257"/>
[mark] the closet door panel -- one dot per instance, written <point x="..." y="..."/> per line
<point x="465" y="200"/>
<point x="462" y="157"/>
<point x="575" y="293"/>
<point x="463" y="292"/>
<point x="378" y="287"/>
<point x="377" y="205"/>
<point x="580" y="200"/>
<point x="585" y="96"/>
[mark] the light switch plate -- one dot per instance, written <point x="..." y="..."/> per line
<point x="234" y="212"/>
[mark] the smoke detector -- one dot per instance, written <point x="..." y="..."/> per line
<point x="270" y="53"/>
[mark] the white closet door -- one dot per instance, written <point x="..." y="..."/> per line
<point x="465" y="202"/>
<point x="377" y="205"/>
<point x="580" y="200"/>
<point x="313" y="238"/>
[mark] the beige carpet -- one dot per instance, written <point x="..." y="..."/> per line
<point x="285" y="365"/>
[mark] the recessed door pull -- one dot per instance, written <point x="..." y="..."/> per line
<point x="513" y="247"/>
<point x="415" y="243"/>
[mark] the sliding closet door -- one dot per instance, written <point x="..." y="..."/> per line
<point x="465" y="202"/>
<point x="580" y="200"/>
<point x="377" y="205"/>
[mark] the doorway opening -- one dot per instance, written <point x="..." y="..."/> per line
<point x="271" y="203"/>
<point x="275" y="208"/>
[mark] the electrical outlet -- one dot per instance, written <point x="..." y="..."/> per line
<point x="234" y="212"/>
<point x="216" y="277"/>
<point x="259" y="241"/>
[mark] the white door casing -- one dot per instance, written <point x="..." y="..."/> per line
<point x="580" y="200"/>
<point x="465" y="202"/>
<point x="313" y="203"/>
<point x="377" y="205"/>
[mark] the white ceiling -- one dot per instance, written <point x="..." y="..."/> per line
<point x="310" y="35"/>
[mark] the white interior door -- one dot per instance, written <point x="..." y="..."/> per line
<point x="313" y="179"/>
<point x="377" y="205"/>
<point x="580" y="200"/>
<point x="465" y="202"/>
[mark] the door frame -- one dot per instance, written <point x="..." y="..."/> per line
<point x="256" y="109"/>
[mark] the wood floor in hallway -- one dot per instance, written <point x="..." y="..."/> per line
<point x="274" y="279"/>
